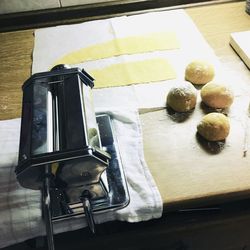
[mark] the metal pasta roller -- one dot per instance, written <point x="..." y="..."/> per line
<point x="67" y="151"/>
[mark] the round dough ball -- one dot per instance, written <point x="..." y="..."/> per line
<point x="199" y="72"/>
<point x="182" y="98"/>
<point x="217" y="95"/>
<point x="214" y="127"/>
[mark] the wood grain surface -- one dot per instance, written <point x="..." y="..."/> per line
<point x="16" y="59"/>
<point x="196" y="177"/>
<point x="179" y="186"/>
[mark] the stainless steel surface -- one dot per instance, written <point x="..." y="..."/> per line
<point x="59" y="128"/>
<point x="109" y="194"/>
<point x="68" y="152"/>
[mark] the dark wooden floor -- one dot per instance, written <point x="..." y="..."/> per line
<point x="219" y="228"/>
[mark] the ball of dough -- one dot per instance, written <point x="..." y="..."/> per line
<point x="182" y="98"/>
<point x="214" y="127"/>
<point x="217" y="95"/>
<point x="199" y="72"/>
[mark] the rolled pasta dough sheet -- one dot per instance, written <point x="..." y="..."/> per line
<point x="145" y="71"/>
<point x="122" y="46"/>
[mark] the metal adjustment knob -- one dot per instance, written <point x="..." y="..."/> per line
<point x="60" y="67"/>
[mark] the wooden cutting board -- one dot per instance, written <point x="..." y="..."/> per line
<point x="240" y="41"/>
<point x="189" y="170"/>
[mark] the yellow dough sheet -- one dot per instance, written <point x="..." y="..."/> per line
<point x="150" y="70"/>
<point x="123" y="46"/>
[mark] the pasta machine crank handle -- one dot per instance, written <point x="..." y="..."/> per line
<point x="47" y="208"/>
<point x="85" y="198"/>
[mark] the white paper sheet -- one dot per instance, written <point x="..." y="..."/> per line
<point x="53" y="43"/>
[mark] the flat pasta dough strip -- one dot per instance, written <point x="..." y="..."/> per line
<point x="122" y="46"/>
<point x="145" y="71"/>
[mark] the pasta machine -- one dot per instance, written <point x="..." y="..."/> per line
<point x="68" y="151"/>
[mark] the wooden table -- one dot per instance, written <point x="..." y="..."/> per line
<point x="215" y="22"/>
<point x="188" y="187"/>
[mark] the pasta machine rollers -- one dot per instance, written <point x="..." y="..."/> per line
<point x="68" y="151"/>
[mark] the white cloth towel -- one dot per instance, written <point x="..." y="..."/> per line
<point x="20" y="208"/>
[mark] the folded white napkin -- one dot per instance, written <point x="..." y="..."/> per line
<point x="20" y="208"/>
